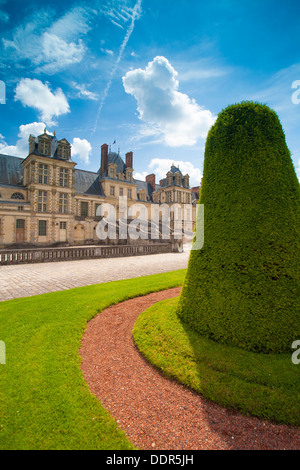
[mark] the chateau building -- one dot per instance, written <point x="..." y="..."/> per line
<point x="45" y="200"/>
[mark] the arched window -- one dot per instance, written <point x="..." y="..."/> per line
<point x="17" y="196"/>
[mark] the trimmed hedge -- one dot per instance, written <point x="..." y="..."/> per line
<point x="242" y="287"/>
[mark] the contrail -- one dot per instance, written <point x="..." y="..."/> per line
<point x="135" y="13"/>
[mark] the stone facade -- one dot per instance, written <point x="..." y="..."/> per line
<point x="45" y="200"/>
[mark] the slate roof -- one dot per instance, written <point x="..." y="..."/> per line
<point x="174" y="169"/>
<point x="114" y="157"/>
<point x="87" y="182"/>
<point x="11" y="170"/>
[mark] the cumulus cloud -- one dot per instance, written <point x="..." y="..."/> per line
<point x="37" y="95"/>
<point x="177" y="117"/>
<point x="160" y="167"/>
<point x="81" y="148"/>
<point x="21" y="148"/>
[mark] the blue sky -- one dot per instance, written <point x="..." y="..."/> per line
<point x="151" y="75"/>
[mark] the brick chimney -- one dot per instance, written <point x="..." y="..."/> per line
<point x="104" y="158"/>
<point x="151" y="179"/>
<point x="129" y="159"/>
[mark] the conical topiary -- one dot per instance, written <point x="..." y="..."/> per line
<point x="242" y="287"/>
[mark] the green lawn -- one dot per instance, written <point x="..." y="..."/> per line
<point x="263" y="385"/>
<point x="44" y="400"/>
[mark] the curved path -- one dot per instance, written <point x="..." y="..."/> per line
<point x="157" y="413"/>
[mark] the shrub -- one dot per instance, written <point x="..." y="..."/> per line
<point x="242" y="287"/>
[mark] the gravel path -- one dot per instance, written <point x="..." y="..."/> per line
<point x="157" y="413"/>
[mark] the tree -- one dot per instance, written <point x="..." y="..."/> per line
<point x="242" y="287"/>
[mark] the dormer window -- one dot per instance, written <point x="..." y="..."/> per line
<point x="44" y="147"/>
<point x="63" y="151"/>
<point x="112" y="170"/>
<point x="177" y="179"/>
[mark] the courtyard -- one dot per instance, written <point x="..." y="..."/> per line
<point x="34" y="279"/>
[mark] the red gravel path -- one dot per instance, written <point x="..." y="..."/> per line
<point x="157" y="413"/>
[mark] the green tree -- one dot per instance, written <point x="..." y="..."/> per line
<point x="242" y="287"/>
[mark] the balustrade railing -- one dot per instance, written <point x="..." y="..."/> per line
<point x="42" y="255"/>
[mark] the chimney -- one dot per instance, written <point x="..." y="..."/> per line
<point x="129" y="159"/>
<point x="104" y="158"/>
<point x="151" y="179"/>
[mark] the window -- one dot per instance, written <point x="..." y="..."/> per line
<point x="17" y="196"/>
<point x="20" y="223"/>
<point x="63" y="203"/>
<point x="20" y="208"/>
<point x="42" y="228"/>
<point x="42" y="201"/>
<point x="63" y="177"/>
<point x="63" y="151"/>
<point x="112" y="190"/>
<point x="121" y="192"/>
<point x="43" y="173"/>
<point x="44" y="147"/>
<point x="129" y="193"/>
<point x="84" y="209"/>
<point x="63" y="225"/>
<point x="169" y="196"/>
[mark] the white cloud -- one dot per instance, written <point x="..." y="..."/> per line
<point x="160" y="167"/>
<point x="58" y="54"/>
<point x="81" y="148"/>
<point x="49" y="45"/>
<point x="107" y="51"/>
<point x="178" y="118"/>
<point x="35" y="94"/>
<point x="140" y="176"/>
<point x="83" y="92"/>
<point x="21" y="148"/>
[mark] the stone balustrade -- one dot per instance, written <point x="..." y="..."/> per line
<point x="42" y="255"/>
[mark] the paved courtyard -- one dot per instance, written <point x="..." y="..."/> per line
<point x="33" y="279"/>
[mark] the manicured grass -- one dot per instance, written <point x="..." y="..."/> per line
<point x="263" y="385"/>
<point x="44" y="400"/>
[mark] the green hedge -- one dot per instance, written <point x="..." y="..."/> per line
<point x="242" y="287"/>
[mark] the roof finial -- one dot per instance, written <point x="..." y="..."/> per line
<point x="45" y="130"/>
